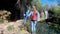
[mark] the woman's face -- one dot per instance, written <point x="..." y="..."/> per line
<point x="33" y="9"/>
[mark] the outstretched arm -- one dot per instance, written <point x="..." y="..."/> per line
<point x="30" y="14"/>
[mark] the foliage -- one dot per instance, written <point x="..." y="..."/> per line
<point x="37" y="4"/>
<point x="55" y="10"/>
<point x="55" y="27"/>
<point x="47" y="28"/>
<point x="4" y="14"/>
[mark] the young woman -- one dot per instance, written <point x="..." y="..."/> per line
<point x="34" y="19"/>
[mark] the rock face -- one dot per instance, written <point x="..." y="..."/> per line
<point x="18" y="28"/>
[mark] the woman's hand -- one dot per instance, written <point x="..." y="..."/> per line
<point x="24" y="14"/>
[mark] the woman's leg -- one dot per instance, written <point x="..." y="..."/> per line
<point x="33" y="27"/>
<point x="35" y="22"/>
<point x="25" y="20"/>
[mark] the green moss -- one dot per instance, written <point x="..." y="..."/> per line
<point x="1" y="20"/>
<point x="10" y="27"/>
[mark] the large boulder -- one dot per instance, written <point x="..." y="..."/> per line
<point x="16" y="27"/>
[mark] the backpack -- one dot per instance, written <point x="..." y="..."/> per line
<point x="34" y="17"/>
